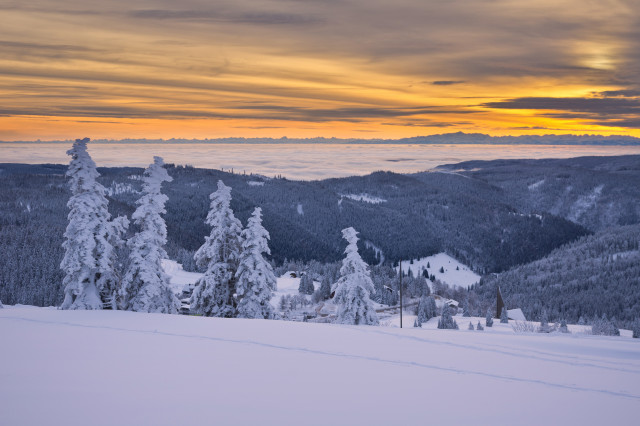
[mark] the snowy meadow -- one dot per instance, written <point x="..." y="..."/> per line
<point x="127" y="368"/>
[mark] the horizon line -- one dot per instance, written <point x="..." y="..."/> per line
<point x="453" y="138"/>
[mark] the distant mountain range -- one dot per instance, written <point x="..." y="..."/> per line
<point x="446" y="138"/>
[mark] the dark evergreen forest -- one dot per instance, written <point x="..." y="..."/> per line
<point x="493" y="216"/>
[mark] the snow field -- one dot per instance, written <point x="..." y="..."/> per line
<point x="178" y="277"/>
<point x="366" y="198"/>
<point x="288" y="286"/>
<point x="464" y="277"/>
<point x="126" y="368"/>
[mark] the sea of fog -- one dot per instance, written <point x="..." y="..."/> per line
<point x="298" y="161"/>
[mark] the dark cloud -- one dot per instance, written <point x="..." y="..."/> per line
<point x="628" y="123"/>
<point x="257" y="18"/>
<point x="41" y="48"/>
<point x="531" y="128"/>
<point x="428" y="123"/>
<point x="446" y="82"/>
<point x="352" y="114"/>
<point x="620" y="93"/>
<point x="600" y="106"/>
<point x="259" y="127"/>
<point x="622" y="112"/>
<point x="266" y="112"/>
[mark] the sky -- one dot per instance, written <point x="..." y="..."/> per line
<point x="307" y="68"/>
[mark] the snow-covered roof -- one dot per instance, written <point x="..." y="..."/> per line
<point x="516" y="314"/>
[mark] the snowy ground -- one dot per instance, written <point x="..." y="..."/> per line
<point x="463" y="276"/>
<point x="287" y="285"/>
<point x="463" y="323"/>
<point x="124" y="368"/>
<point x="366" y="198"/>
<point x="178" y="277"/>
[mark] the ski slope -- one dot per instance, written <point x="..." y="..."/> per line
<point x="126" y="368"/>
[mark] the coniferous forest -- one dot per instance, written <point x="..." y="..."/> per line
<point x="555" y="235"/>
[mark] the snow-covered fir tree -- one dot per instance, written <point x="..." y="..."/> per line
<point x="91" y="237"/>
<point x="563" y="326"/>
<point x="489" y="319"/>
<point x="325" y="288"/>
<point x="635" y="328"/>
<point x="354" y="287"/>
<point x="471" y="326"/>
<point x="479" y="326"/>
<point x="306" y="284"/>
<point x="426" y="309"/>
<point x="446" y="321"/>
<point x="504" y="317"/>
<point x="214" y="294"/>
<point x="284" y="303"/>
<point x="145" y="286"/>
<point x="544" y="323"/>
<point x="255" y="278"/>
<point x="465" y="309"/>
<point x="604" y="327"/>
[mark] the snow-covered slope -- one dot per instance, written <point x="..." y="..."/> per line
<point x="462" y="276"/>
<point x="178" y="276"/>
<point x="371" y="199"/>
<point x="287" y="285"/>
<point x="126" y="368"/>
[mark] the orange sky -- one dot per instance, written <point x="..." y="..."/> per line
<point x="304" y="68"/>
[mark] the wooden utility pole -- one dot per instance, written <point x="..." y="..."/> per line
<point x="400" y="293"/>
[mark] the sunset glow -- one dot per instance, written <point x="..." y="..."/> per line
<point x="343" y="68"/>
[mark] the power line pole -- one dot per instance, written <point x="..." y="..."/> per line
<point x="400" y="293"/>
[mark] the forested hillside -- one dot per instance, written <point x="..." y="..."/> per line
<point x="490" y="215"/>
<point x="598" y="274"/>
<point x="596" y="192"/>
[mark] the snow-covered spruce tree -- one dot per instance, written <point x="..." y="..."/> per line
<point x="255" y="278"/>
<point x="504" y="317"/>
<point x="479" y="327"/>
<point x="604" y="327"/>
<point x="145" y="287"/>
<point x="220" y="253"/>
<point x="471" y="326"/>
<point x="432" y="309"/>
<point x="421" y="312"/>
<point x="306" y="284"/>
<point x="446" y="321"/>
<point x="324" y="292"/>
<point x="489" y="319"/>
<point x="563" y="326"/>
<point x="615" y="331"/>
<point x="465" y="309"/>
<point x="353" y="288"/>
<point x="544" y="323"/>
<point x="635" y="328"/>
<point x="426" y="309"/>
<point x="91" y="237"/>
